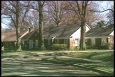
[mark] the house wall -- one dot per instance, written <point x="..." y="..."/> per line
<point x="48" y="43"/>
<point x="34" y="36"/>
<point x="76" y="35"/>
<point x="34" y="41"/>
<point x="92" y="41"/>
<point x="104" y="41"/>
<point x="111" y="42"/>
<point x="72" y="43"/>
<point x="112" y="33"/>
<point x="9" y="44"/>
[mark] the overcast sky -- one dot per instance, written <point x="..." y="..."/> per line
<point x="102" y="6"/>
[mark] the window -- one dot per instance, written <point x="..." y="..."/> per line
<point x="48" y="42"/>
<point x="76" y="42"/>
<point x="56" y="41"/>
<point x="66" y="41"/>
<point x="103" y="41"/>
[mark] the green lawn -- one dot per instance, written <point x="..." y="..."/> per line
<point x="57" y="63"/>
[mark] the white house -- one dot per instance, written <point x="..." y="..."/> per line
<point x="69" y="35"/>
<point x="76" y="35"/>
<point x="100" y="37"/>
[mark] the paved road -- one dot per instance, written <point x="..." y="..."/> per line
<point x="33" y="66"/>
<point x="26" y="65"/>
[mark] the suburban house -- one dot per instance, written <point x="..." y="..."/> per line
<point x="29" y="39"/>
<point x="69" y="35"/>
<point x="100" y="37"/>
<point x="8" y="39"/>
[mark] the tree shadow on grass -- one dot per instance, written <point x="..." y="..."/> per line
<point x="80" y="64"/>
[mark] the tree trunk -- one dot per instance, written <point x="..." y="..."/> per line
<point x="40" y="25"/>
<point x="82" y="40"/>
<point x="18" y="27"/>
<point x="17" y="43"/>
<point x="83" y="27"/>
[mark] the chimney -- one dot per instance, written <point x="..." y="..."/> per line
<point x="29" y="29"/>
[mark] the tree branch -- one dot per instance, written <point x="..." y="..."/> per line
<point x="102" y="11"/>
<point x="43" y="3"/>
<point x="76" y="11"/>
<point x="13" y="21"/>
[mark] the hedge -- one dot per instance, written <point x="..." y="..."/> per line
<point x="59" y="47"/>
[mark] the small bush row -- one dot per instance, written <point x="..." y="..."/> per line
<point x="59" y="47"/>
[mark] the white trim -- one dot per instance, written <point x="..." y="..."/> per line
<point x="54" y="37"/>
<point x="87" y="26"/>
<point x="24" y="34"/>
<point x="97" y="37"/>
<point x="112" y="33"/>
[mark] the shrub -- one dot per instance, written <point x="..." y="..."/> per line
<point x="111" y="46"/>
<point x="59" y="47"/>
<point x="72" y="48"/>
<point x="43" y="47"/>
<point x="78" y="48"/>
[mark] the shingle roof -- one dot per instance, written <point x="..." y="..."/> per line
<point x="104" y="31"/>
<point x="28" y="35"/>
<point x="9" y="36"/>
<point x="61" y="31"/>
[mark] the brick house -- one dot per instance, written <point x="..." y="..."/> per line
<point x="29" y="39"/>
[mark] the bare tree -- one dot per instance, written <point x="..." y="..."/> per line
<point x="38" y="6"/>
<point x="14" y="11"/>
<point x="41" y="41"/>
<point x="110" y="16"/>
<point x="100" y="24"/>
<point x="56" y="11"/>
<point x="80" y="11"/>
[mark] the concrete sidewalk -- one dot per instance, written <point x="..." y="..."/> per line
<point x="91" y="51"/>
<point x="75" y="51"/>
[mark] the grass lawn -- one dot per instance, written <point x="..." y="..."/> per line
<point x="57" y="63"/>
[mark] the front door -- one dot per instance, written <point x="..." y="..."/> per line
<point x="98" y="42"/>
<point x="89" y="42"/>
<point x="30" y="44"/>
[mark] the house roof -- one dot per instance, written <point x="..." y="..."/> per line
<point x="103" y="31"/>
<point x="9" y="36"/>
<point x="28" y="35"/>
<point x="61" y="31"/>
